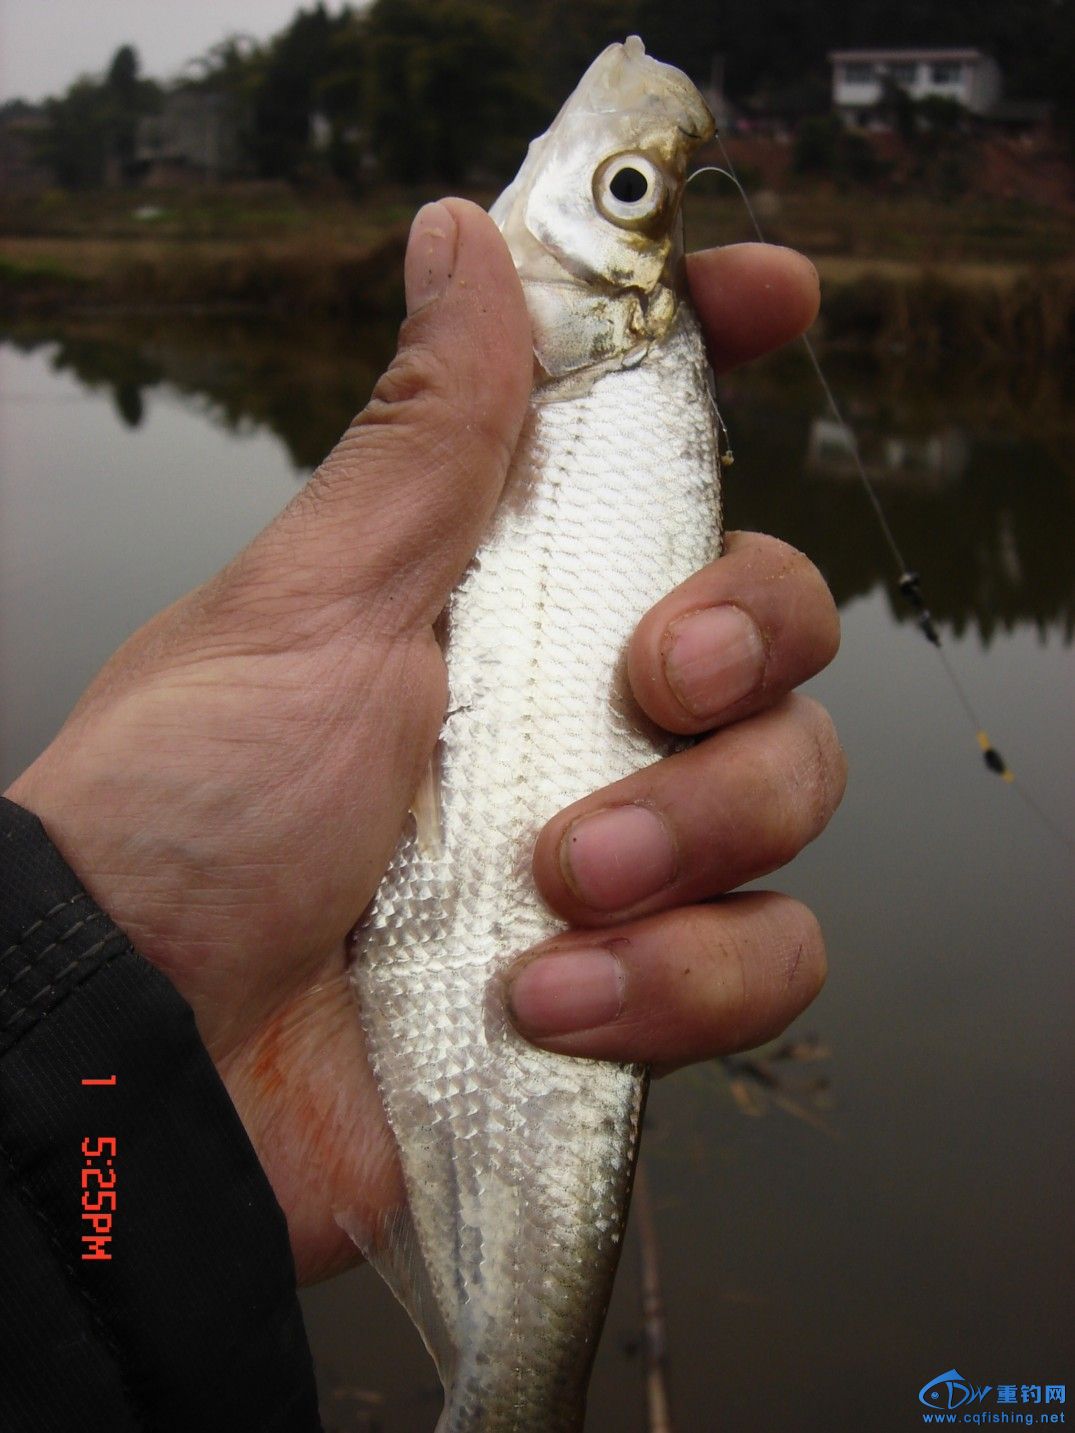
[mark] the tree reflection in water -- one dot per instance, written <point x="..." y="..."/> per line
<point x="973" y="474"/>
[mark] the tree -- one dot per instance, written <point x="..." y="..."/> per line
<point x="76" y="144"/>
<point x="770" y="43"/>
<point x="129" y="97"/>
<point x="446" y="93"/>
<point x="285" y="91"/>
<point x="824" y="146"/>
<point x="93" y="126"/>
<point x="340" y="97"/>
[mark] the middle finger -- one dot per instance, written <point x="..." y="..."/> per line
<point x="734" y="637"/>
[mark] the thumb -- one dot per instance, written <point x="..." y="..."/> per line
<point x="394" y="513"/>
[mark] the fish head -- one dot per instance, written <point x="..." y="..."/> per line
<point x="593" y="217"/>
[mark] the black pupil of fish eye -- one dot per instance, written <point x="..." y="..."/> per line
<point x="629" y="185"/>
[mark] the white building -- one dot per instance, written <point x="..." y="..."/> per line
<point x="860" y="79"/>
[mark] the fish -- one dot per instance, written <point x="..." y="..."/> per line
<point x="518" y="1162"/>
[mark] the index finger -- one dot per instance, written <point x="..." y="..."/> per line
<point x="751" y="298"/>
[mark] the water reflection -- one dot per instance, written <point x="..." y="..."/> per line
<point x="968" y="477"/>
<point x="971" y="473"/>
<point x="928" y="460"/>
<point x="302" y="384"/>
<point x="810" y="1282"/>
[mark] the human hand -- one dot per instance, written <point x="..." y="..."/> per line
<point x="232" y="785"/>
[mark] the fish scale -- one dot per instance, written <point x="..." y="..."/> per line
<point x="518" y="1162"/>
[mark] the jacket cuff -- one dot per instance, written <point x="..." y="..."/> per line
<point x="143" y="1249"/>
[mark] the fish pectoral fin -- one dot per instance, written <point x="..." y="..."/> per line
<point x="391" y="1246"/>
<point x="425" y="808"/>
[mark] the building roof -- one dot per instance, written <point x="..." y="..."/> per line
<point x="908" y="53"/>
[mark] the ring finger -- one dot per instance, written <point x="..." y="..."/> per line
<point x="686" y="985"/>
<point x="697" y="824"/>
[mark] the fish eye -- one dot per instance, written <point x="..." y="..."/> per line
<point x="630" y="190"/>
<point x="628" y="185"/>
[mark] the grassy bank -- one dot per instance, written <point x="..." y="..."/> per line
<point x="1014" y="319"/>
<point x="925" y="277"/>
<point x="329" y="278"/>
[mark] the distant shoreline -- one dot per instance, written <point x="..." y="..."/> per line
<point x="993" y="280"/>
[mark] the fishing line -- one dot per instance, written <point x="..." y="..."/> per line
<point x="908" y="581"/>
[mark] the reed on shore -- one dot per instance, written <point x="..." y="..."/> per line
<point x="968" y="282"/>
<point x="325" y="277"/>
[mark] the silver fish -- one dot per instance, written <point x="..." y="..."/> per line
<point x="518" y="1163"/>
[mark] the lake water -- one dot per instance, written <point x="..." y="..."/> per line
<point x="895" y="1210"/>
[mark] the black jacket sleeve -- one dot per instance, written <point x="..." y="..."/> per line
<point x="169" y="1302"/>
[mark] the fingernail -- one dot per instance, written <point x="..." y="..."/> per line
<point x="716" y="658"/>
<point x="571" y="990"/>
<point x="618" y="857"/>
<point x="430" y="257"/>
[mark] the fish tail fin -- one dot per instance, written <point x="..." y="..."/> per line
<point x="461" y="1354"/>
<point x="391" y="1245"/>
<point x="566" y="1415"/>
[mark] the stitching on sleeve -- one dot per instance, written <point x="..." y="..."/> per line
<point x="37" y="924"/>
<point x="115" y="944"/>
<point x="30" y="965"/>
<point x="50" y="989"/>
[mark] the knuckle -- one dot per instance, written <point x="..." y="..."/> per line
<point x="430" y="397"/>
<point x="416" y="381"/>
<point x="419" y="367"/>
<point x="412" y="403"/>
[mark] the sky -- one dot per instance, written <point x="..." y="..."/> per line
<point x="45" y="44"/>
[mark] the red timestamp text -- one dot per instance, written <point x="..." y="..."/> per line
<point x="98" y="1196"/>
<point x="98" y="1191"/>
